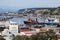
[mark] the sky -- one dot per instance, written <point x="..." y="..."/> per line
<point x="28" y="3"/>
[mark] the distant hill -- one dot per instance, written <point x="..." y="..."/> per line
<point x="22" y="10"/>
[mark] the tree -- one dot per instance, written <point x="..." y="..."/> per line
<point x="1" y="29"/>
<point x="39" y="36"/>
<point x="34" y="37"/>
<point x="2" y="39"/>
<point x="51" y="35"/>
<point x="24" y="37"/>
<point x="42" y="36"/>
<point x="18" y="37"/>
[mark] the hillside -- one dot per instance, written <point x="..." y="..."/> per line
<point x="53" y="11"/>
<point x="35" y="9"/>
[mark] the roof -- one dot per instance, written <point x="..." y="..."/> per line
<point x="12" y="22"/>
<point x="31" y="32"/>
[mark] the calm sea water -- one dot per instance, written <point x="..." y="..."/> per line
<point x="21" y="20"/>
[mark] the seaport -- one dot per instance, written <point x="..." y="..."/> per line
<point x="29" y="19"/>
<point x="29" y="24"/>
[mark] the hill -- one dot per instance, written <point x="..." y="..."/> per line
<point x="35" y="9"/>
<point x="53" y="11"/>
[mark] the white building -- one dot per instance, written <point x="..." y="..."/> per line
<point x="5" y="32"/>
<point x="13" y="27"/>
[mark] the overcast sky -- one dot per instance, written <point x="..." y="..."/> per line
<point x="28" y="3"/>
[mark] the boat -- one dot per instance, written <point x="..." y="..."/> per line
<point x="32" y="22"/>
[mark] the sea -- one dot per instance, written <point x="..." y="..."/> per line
<point x="21" y="20"/>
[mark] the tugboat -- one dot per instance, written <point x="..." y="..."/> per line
<point x="30" y="21"/>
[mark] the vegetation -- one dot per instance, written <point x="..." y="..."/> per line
<point x="2" y="39"/>
<point x="49" y="35"/>
<point x="21" y="37"/>
<point x="53" y="11"/>
<point x="1" y="29"/>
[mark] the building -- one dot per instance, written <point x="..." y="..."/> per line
<point x="13" y="27"/>
<point x="5" y="24"/>
<point x="2" y="24"/>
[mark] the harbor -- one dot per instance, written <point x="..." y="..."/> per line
<point x="28" y="25"/>
<point x="29" y="22"/>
